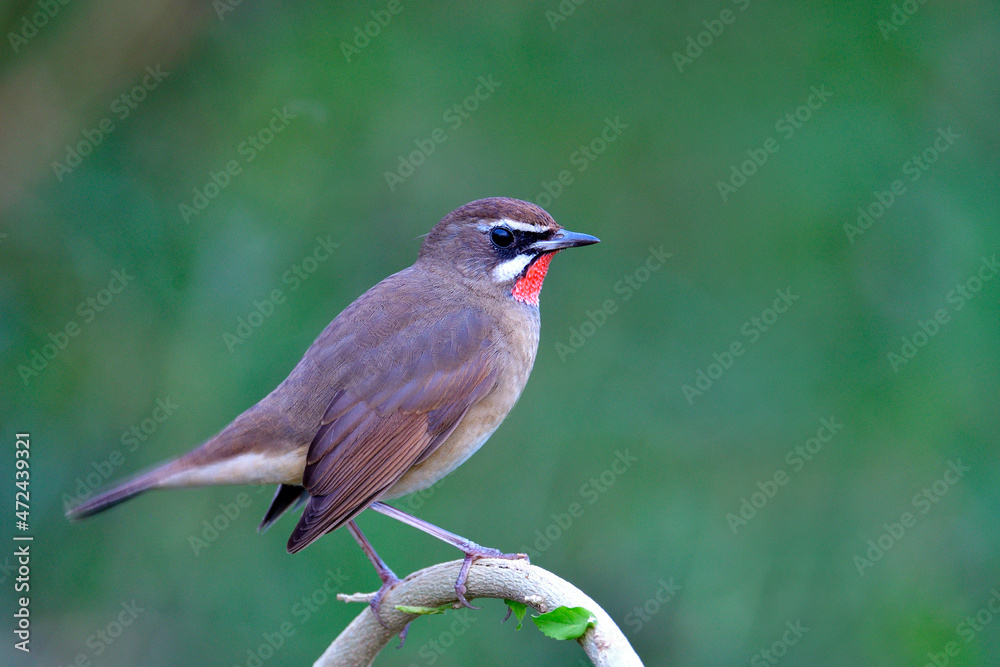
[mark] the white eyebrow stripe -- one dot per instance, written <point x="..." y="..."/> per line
<point x="511" y="268"/>
<point x="514" y="224"/>
<point x="525" y="226"/>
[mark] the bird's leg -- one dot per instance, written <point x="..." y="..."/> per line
<point x="388" y="577"/>
<point x="472" y="551"/>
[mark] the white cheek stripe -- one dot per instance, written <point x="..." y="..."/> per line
<point x="514" y="224"/>
<point x="511" y="268"/>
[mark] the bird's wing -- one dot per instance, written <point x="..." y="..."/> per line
<point x="379" y="425"/>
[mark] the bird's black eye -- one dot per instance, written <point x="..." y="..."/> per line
<point x="502" y="237"/>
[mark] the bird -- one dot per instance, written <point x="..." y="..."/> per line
<point x="401" y="388"/>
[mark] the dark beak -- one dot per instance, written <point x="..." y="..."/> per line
<point x="564" y="239"/>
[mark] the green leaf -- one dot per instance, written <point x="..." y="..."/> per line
<point x="518" y="608"/>
<point x="423" y="611"/>
<point x="565" y="622"/>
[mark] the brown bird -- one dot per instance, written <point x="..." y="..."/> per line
<point x="399" y="389"/>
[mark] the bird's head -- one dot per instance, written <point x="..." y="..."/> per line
<point x="505" y="243"/>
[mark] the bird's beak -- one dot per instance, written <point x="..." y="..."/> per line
<point x="564" y="239"/>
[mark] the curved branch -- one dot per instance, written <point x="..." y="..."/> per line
<point x="434" y="586"/>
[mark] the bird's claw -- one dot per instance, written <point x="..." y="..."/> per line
<point x="471" y="557"/>
<point x="376" y="602"/>
<point x="389" y="579"/>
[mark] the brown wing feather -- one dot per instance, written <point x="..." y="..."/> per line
<point x="379" y="427"/>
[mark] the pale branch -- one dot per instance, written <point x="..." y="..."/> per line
<point x="434" y="586"/>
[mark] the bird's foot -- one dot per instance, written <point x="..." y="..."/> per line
<point x="472" y="554"/>
<point x="389" y="579"/>
<point x="472" y="551"/>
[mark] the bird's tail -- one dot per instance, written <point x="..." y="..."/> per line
<point x="232" y="456"/>
<point x="130" y="488"/>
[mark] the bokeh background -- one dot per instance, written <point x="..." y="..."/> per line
<point x="691" y="88"/>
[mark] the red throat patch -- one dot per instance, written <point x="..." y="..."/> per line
<point x="529" y="286"/>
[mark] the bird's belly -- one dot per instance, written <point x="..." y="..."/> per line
<point x="473" y="431"/>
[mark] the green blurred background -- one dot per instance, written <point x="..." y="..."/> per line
<point x="665" y="521"/>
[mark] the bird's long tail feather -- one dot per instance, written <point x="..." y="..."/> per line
<point x="122" y="492"/>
